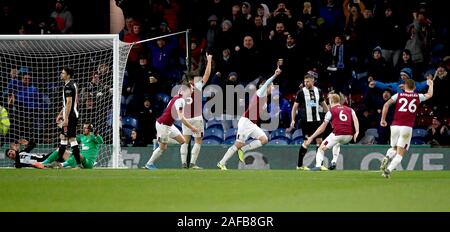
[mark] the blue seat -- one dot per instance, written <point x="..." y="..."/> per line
<point x="297" y="134"/>
<point x="419" y="133"/>
<point x="229" y="141"/>
<point x="231" y="133"/>
<point x="417" y="141"/>
<point x="297" y="141"/>
<point x="126" y="132"/>
<point x="280" y="133"/>
<point x="214" y="124"/>
<point x="129" y="122"/>
<point x="162" y="98"/>
<point x="212" y="141"/>
<point x="280" y="141"/>
<point x="372" y="131"/>
<point x="213" y="133"/>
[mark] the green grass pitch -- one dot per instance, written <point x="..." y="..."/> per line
<point x="221" y="191"/>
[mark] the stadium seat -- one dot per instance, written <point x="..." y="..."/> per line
<point x="216" y="133"/>
<point x="129" y="122"/>
<point x="372" y="131"/>
<point x="279" y="141"/>
<point x="162" y="98"/>
<point x="297" y="141"/>
<point x="231" y="133"/>
<point x="424" y="121"/>
<point x="417" y="141"/>
<point x="279" y="133"/>
<point x="212" y="141"/>
<point x="127" y="132"/>
<point x="229" y="141"/>
<point x="419" y="133"/>
<point x="297" y="134"/>
<point x="214" y="124"/>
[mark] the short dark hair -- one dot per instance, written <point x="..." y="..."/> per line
<point x="7" y="150"/>
<point x="69" y="71"/>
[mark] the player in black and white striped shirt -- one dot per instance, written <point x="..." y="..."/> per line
<point x="309" y="100"/>
<point x="24" y="158"/>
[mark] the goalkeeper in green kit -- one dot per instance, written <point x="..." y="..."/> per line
<point x="89" y="150"/>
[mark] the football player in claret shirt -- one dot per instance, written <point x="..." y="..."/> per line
<point x="165" y="128"/>
<point x="247" y="125"/>
<point x="345" y="127"/>
<point x="406" y="106"/>
<point x="193" y="113"/>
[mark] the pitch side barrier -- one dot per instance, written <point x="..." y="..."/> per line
<point x="352" y="157"/>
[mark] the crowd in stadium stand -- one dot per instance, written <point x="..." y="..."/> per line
<point x="357" y="47"/>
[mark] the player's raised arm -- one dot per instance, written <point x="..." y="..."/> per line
<point x="261" y="92"/>
<point x="429" y="94"/>
<point x="208" y="68"/>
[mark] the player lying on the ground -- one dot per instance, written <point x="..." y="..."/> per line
<point x="24" y="157"/>
<point x="89" y="150"/>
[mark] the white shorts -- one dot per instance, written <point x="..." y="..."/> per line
<point x="197" y="122"/>
<point x="164" y="132"/>
<point x="246" y="129"/>
<point x="401" y="136"/>
<point x="333" y="139"/>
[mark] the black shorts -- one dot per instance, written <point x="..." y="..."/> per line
<point x="308" y="128"/>
<point x="71" y="128"/>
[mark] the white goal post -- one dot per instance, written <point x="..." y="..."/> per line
<point x="31" y="90"/>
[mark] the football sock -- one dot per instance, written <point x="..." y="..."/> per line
<point x="336" y="152"/>
<point x="156" y="154"/>
<point x="390" y="153"/>
<point x="61" y="150"/>
<point x="301" y="154"/>
<point x="183" y="152"/>
<point x="194" y="153"/>
<point x="76" y="154"/>
<point x="397" y="159"/>
<point x="319" y="157"/>
<point x="251" y="146"/>
<point x="228" y="154"/>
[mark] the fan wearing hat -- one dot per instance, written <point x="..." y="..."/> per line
<point x="399" y="86"/>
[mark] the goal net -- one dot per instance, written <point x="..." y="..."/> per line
<point x="31" y="89"/>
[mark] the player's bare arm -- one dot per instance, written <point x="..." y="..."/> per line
<point x="325" y="107"/>
<point x="319" y="131"/>
<point x="293" y="114"/>
<point x="180" y="113"/>
<point x="386" y="106"/>
<point x="356" y="124"/>
<point x="429" y="94"/>
<point x="66" y="116"/>
<point x="208" y="68"/>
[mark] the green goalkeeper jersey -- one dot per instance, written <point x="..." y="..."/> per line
<point x="89" y="145"/>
